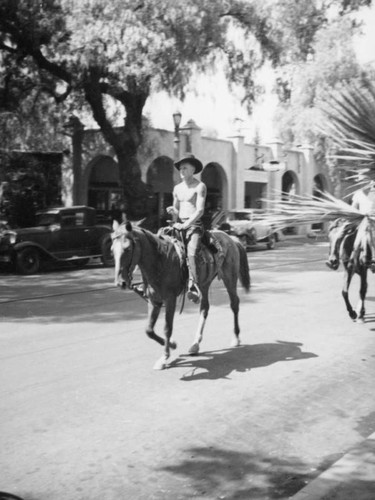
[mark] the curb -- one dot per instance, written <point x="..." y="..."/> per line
<point x="352" y="477"/>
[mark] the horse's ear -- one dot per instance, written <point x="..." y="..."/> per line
<point x="115" y="225"/>
<point x="139" y="222"/>
<point x="128" y="226"/>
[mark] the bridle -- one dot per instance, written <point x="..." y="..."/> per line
<point x="132" y="243"/>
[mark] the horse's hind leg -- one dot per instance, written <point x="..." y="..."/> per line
<point x="230" y="283"/>
<point x="203" y="313"/>
<point x="362" y="293"/>
<point x="345" y="291"/>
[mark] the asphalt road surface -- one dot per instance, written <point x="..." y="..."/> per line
<point x="85" y="417"/>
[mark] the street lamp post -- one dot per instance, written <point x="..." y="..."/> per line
<point x="177" y="121"/>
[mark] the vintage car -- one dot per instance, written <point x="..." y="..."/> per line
<point x="248" y="226"/>
<point x="65" y="234"/>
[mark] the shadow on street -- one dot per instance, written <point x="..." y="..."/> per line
<point x="230" y="474"/>
<point x="220" y="364"/>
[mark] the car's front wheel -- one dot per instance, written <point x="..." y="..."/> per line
<point x="107" y="255"/>
<point x="243" y="240"/>
<point x="28" y="261"/>
<point x="271" y="243"/>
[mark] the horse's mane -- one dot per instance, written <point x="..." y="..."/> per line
<point x="161" y="244"/>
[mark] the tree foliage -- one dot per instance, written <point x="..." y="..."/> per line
<point x="81" y="53"/>
<point x="98" y="56"/>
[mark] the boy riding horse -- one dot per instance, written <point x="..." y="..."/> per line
<point x="189" y="197"/>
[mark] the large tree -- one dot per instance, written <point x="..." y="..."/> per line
<point x="103" y="55"/>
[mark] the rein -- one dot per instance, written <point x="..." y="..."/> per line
<point x="118" y="234"/>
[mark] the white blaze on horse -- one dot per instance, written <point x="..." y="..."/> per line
<point x="353" y="245"/>
<point x="165" y="277"/>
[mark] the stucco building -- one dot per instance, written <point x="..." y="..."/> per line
<point x="237" y="174"/>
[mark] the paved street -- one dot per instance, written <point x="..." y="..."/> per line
<point x="85" y="417"/>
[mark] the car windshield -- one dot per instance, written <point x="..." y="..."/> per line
<point x="46" y="219"/>
<point x="239" y="216"/>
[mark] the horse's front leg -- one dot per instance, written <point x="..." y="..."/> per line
<point x="203" y="313"/>
<point x="170" y="307"/>
<point x="345" y="291"/>
<point x="153" y="314"/>
<point x="362" y="294"/>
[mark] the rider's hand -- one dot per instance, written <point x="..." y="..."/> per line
<point x="181" y="226"/>
<point x="171" y="210"/>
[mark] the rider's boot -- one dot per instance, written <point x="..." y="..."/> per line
<point x="194" y="294"/>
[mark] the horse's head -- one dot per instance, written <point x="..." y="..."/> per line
<point x="126" y="252"/>
<point x="336" y="233"/>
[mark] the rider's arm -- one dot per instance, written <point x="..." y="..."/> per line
<point x="200" y="203"/>
<point x="175" y="208"/>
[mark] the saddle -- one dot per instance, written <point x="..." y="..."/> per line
<point x="209" y="242"/>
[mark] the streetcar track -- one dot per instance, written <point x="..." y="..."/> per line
<point x="286" y="264"/>
<point x="105" y="288"/>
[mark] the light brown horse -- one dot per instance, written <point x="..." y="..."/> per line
<point x="165" y="277"/>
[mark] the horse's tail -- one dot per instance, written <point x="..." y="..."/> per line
<point x="244" y="271"/>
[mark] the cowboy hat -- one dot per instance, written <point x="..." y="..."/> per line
<point x="190" y="158"/>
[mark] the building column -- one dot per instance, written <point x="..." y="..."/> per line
<point x="307" y="170"/>
<point x="237" y="181"/>
<point x="275" y="178"/>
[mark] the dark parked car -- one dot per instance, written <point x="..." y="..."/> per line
<point x="67" y="234"/>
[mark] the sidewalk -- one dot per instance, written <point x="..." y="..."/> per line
<point x="352" y="477"/>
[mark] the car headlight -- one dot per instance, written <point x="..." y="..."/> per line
<point x="8" y="238"/>
<point x="12" y="238"/>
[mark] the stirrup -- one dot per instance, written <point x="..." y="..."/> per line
<point x="194" y="294"/>
<point x="139" y="290"/>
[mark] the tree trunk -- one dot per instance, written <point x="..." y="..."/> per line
<point x="124" y="143"/>
<point x="137" y="196"/>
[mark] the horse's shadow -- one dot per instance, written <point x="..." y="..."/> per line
<point x="214" y="365"/>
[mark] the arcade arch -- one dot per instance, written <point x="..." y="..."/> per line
<point x="214" y="177"/>
<point x="102" y="184"/>
<point x="289" y="187"/>
<point x="289" y="184"/>
<point x="319" y="186"/>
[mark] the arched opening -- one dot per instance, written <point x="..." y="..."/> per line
<point x="319" y="185"/>
<point x="214" y="177"/>
<point x="104" y="192"/>
<point x="289" y="187"/>
<point x="160" y="179"/>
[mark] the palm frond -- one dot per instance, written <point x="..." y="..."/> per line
<point x="304" y="210"/>
<point x="351" y="125"/>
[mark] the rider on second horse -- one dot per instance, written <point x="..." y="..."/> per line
<point x="189" y="197"/>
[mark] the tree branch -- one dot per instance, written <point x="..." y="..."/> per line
<point x="93" y="93"/>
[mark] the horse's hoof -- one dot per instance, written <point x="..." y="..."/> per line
<point x="235" y="343"/>
<point x="161" y="364"/>
<point x="353" y="315"/>
<point x="194" y="349"/>
<point x="172" y="344"/>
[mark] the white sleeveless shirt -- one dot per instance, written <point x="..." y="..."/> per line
<point x="365" y="203"/>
